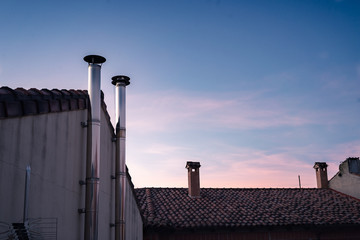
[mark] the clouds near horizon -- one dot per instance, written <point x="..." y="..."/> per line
<point x="247" y="115"/>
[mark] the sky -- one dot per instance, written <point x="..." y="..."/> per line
<point x="256" y="91"/>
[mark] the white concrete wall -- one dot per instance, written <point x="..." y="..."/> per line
<point x="347" y="183"/>
<point x="54" y="145"/>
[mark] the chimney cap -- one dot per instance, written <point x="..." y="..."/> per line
<point x="320" y="165"/>
<point x="94" y="59"/>
<point x="192" y="165"/>
<point x="120" y="79"/>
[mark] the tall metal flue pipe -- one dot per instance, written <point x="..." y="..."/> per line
<point x="120" y="83"/>
<point x="93" y="147"/>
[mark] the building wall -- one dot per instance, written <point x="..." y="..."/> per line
<point x="346" y="182"/>
<point x="107" y="185"/>
<point x="54" y="145"/>
<point x="134" y="223"/>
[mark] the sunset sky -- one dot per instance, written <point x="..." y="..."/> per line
<point x="256" y="91"/>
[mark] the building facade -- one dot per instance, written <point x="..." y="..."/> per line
<point x="347" y="180"/>
<point x="46" y="131"/>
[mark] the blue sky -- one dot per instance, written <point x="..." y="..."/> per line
<point x="257" y="91"/>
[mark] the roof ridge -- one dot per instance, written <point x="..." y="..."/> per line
<point x="149" y="203"/>
<point x="344" y="194"/>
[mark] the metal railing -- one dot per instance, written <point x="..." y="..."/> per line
<point x="33" y="229"/>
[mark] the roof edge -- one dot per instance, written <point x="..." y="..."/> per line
<point x="19" y="102"/>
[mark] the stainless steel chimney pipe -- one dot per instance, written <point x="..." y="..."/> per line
<point x="120" y="83"/>
<point x="93" y="147"/>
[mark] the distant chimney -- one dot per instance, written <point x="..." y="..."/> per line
<point x="193" y="179"/>
<point x="321" y="174"/>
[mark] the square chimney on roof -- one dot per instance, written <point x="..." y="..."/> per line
<point x="193" y="179"/>
<point x="321" y="174"/>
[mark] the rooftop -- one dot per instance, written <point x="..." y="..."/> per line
<point x="172" y="208"/>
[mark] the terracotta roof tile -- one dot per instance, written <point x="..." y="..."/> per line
<point x="238" y="208"/>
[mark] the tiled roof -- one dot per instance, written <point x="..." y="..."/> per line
<point x="172" y="208"/>
<point x="20" y="102"/>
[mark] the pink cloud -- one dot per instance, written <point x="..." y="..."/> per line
<point x="239" y="167"/>
<point x="255" y="168"/>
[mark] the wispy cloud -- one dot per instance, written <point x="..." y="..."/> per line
<point x="163" y="149"/>
<point x="247" y="167"/>
<point x="240" y="168"/>
<point x="160" y="111"/>
<point x="272" y="162"/>
<point x="255" y="168"/>
<point x="233" y="166"/>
